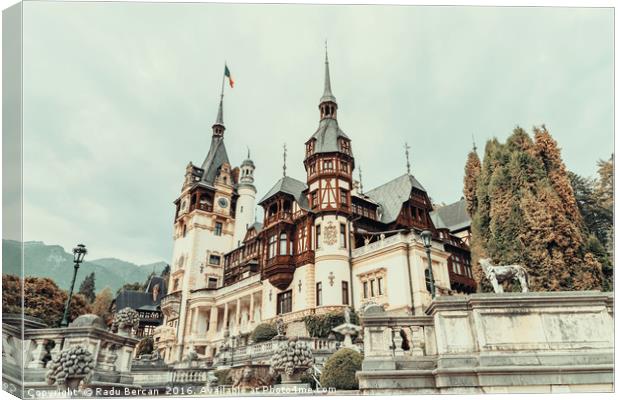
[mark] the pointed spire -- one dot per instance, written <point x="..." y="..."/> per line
<point x="327" y="88"/>
<point x="218" y="126"/>
<point x="407" y="147"/>
<point x="361" y="184"/>
<point x="474" y="143"/>
<point x="220" y="112"/>
<point x="248" y="152"/>
<point x="284" y="157"/>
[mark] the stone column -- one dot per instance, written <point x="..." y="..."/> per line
<point x="195" y="320"/>
<point x="251" y="319"/>
<point x="225" y="316"/>
<point x="213" y="320"/>
<point x="238" y="316"/>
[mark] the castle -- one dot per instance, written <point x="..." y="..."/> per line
<point x="324" y="244"/>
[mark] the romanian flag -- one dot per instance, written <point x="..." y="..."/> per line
<point x="231" y="82"/>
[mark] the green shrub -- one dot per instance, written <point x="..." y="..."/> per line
<point x="263" y="333"/>
<point x="321" y="325"/>
<point x="340" y="368"/>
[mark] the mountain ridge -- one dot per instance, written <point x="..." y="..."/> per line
<point x="52" y="261"/>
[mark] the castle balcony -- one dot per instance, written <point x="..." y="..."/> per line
<point x="171" y="304"/>
<point x="279" y="270"/>
<point x="281" y="216"/>
<point x="203" y="207"/>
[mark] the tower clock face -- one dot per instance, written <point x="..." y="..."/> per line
<point x="222" y="202"/>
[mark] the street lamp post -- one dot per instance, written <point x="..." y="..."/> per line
<point x="78" y="256"/>
<point x="426" y="238"/>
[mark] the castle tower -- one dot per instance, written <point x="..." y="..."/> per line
<point x="244" y="212"/>
<point x="329" y="165"/>
<point x="203" y="229"/>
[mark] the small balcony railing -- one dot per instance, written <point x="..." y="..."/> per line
<point x="203" y="207"/>
<point x="282" y="216"/>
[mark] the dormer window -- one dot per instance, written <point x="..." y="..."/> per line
<point x="345" y="146"/>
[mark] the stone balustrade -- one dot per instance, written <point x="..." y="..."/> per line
<point x="189" y="375"/>
<point x="263" y="351"/>
<point x="492" y="343"/>
<point x="379" y="244"/>
<point x="34" y="347"/>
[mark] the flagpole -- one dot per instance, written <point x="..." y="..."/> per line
<point x="223" y="79"/>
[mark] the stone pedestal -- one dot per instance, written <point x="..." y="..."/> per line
<point x="348" y="330"/>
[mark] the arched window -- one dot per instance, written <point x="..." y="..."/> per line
<point x="283" y="249"/>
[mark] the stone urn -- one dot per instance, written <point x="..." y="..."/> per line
<point x="71" y="368"/>
<point x="291" y="360"/>
<point x="125" y="321"/>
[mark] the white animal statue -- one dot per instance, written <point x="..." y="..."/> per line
<point x="497" y="274"/>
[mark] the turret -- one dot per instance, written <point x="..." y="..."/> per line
<point x="244" y="212"/>
<point x="329" y="161"/>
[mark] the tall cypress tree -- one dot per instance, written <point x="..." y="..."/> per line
<point x="470" y="181"/>
<point x="527" y="214"/>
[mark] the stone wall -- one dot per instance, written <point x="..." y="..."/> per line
<point x="494" y="343"/>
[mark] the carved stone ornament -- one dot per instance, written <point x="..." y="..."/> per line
<point x="331" y="234"/>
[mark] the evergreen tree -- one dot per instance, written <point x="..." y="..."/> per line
<point x="470" y="182"/>
<point x="87" y="288"/>
<point x="472" y="172"/>
<point x="605" y="187"/>
<point x="598" y="223"/>
<point x="526" y="213"/>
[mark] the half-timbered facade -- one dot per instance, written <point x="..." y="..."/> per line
<point x="323" y="244"/>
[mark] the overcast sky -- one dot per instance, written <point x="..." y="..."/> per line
<point x="119" y="97"/>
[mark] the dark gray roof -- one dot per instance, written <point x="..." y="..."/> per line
<point x="256" y="225"/>
<point x="215" y="158"/>
<point x="134" y="299"/>
<point x="454" y="216"/>
<point x="290" y="186"/>
<point x="327" y="136"/>
<point x="391" y="196"/>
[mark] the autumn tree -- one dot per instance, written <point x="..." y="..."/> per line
<point x="102" y="303"/>
<point x="526" y="213"/>
<point x="43" y="299"/>
<point x="87" y="288"/>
